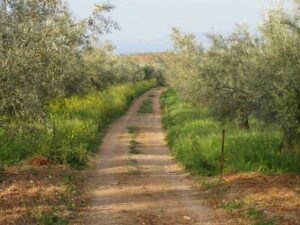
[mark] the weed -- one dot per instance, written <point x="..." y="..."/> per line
<point x="134" y="143"/>
<point x="135" y="172"/>
<point x="146" y="107"/>
<point x="78" y="122"/>
<point x="259" y="217"/>
<point x="68" y="202"/>
<point x="69" y="183"/>
<point x="134" y="147"/>
<point x="132" y="162"/>
<point x="232" y="205"/>
<point x="49" y="217"/>
<point x="132" y="130"/>
<point x="195" y="140"/>
<point x="71" y="205"/>
<point x="77" y="158"/>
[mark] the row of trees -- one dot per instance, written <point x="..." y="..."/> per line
<point x="245" y="75"/>
<point x="45" y="54"/>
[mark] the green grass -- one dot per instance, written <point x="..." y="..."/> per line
<point x="134" y="147"/>
<point x="69" y="183"/>
<point x="253" y="215"/>
<point x="49" y="217"/>
<point x="232" y="205"/>
<point x="77" y="122"/>
<point x="195" y="139"/>
<point x="146" y="106"/>
<point x="135" y="172"/>
<point x="133" y="162"/>
<point x="133" y="130"/>
<point x="258" y="217"/>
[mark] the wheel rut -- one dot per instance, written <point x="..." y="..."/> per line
<point x="149" y="188"/>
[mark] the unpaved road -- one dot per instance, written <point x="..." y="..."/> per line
<point x="145" y="189"/>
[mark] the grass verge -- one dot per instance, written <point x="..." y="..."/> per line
<point x="195" y="139"/>
<point x="73" y="131"/>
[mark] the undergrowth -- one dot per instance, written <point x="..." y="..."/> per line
<point x="73" y="131"/>
<point x="195" y="139"/>
<point x="134" y="147"/>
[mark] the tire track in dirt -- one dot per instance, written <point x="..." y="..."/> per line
<point x="161" y="193"/>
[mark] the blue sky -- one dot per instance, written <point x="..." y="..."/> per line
<point x="146" y="24"/>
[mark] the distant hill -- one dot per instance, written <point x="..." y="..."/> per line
<point x="148" y="56"/>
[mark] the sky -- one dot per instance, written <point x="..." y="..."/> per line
<point x="146" y="24"/>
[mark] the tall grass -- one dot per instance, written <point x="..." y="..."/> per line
<point x="74" y="129"/>
<point x="195" y="140"/>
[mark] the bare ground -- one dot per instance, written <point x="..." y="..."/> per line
<point x="277" y="196"/>
<point x="149" y="188"/>
<point x="30" y="194"/>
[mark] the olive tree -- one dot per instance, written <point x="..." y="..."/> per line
<point x="182" y="65"/>
<point x="281" y="68"/>
<point x="230" y="74"/>
<point x="244" y="75"/>
<point x="41" y="49"/>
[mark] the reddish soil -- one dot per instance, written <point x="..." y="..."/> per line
<point x="277" y="196"/>
<point x="28" y="193"/>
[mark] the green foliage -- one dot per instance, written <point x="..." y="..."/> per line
<point x="132" y="162"/>
<point x="78" y="122"/>
<point x="146" y="106"/>
<point x="232" y="205"/>
<point x="259" y="217"/>
<point x="104" y="68"/>
<point x="69" y="183"/>
<point x="195" y="140"/>
<point x="255" y="216"/>
<point x="41" y="56"/>
<point x="133" y="130"/>
<point x="135" y="172"/>
<point x="134" y="147"/>
<point x="46" y="54"/>
<point x="49" y="217"/>
<point x="242" y="76"/>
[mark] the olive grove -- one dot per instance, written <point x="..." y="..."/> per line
<point x="46" y="54"/>
<point x="245" y="75"/>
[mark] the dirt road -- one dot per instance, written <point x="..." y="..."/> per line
<point x="143" y="189"/>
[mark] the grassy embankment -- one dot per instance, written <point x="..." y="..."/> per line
<point x="195" y="139"/>
<point x="74" y="129"/>
<point x="247" y="193"/>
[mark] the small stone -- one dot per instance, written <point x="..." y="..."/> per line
<point x="187" y="218"/>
